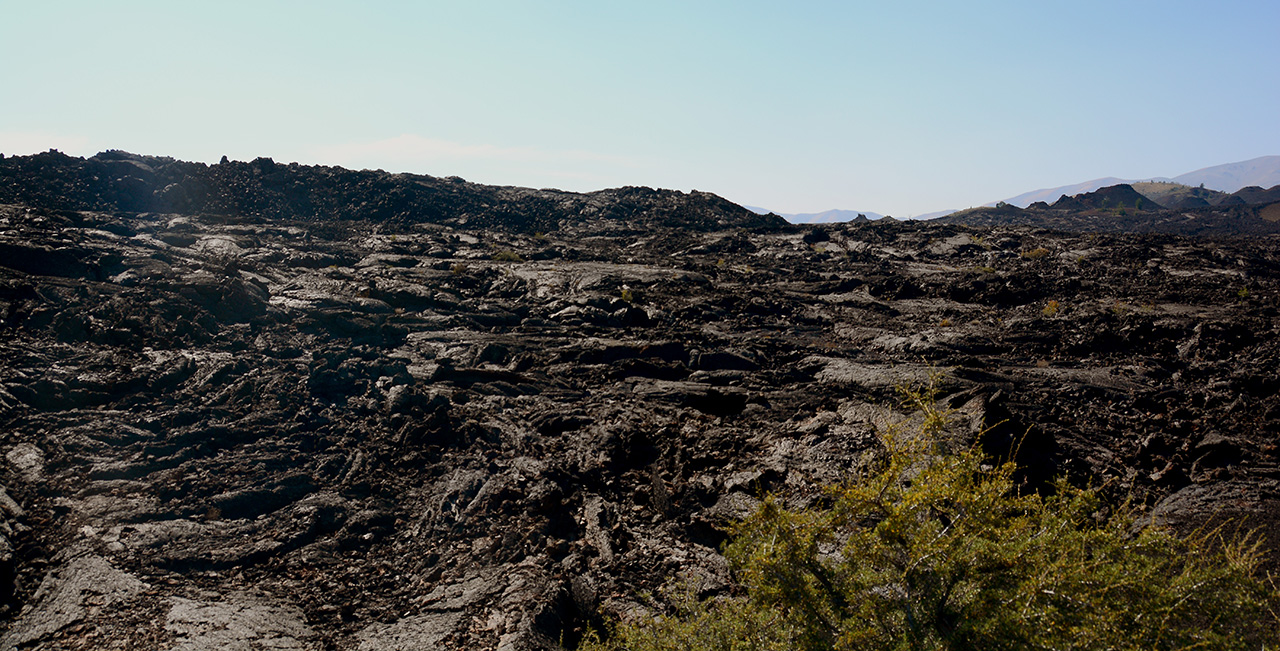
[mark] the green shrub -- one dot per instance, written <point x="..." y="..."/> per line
<point x="507" y="255"/>
<point x="1038" y="253"/>
<point x="929" y="550"/>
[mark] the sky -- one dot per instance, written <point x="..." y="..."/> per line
<point x="899" y="108"/>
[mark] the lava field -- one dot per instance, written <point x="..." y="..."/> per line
<point x="276" y="432"/>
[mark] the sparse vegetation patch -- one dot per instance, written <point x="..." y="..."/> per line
<point x="936" y="549"/>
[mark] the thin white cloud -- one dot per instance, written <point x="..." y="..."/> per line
<point x="23" y="143"/>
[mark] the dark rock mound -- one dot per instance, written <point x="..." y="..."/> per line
<point x="264" y="189"/>
<point x="1254" y="195"/>
<point x="1114" y="197"/>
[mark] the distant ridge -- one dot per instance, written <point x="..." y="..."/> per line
<point x="935" y="215"/>
<point x="824" y="217"/>
<point x="1122" y="208"/>
<point x="1050" y="195"/>
<point x="1263" y="172"/>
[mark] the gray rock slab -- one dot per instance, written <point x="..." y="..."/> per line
<point x="67" y="595"/>
<point x="417" y="633"/>
<point x="237" y="622"/>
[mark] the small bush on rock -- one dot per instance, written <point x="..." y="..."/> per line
<point x="930" y="550"/>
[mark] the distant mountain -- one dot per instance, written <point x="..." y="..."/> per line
<point x="824" y="217"/>
<point x="1122" y="208"/>
<point x="934" y="215"/>
<point x="1183" y="191"/>
<point x="1263" y="172"/>
<point x="831" y="216"/>
<point x="1050" y="195"/>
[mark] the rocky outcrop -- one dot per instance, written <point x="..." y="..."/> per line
<point x="343" y="434"/>
<point x="263" y="189"/>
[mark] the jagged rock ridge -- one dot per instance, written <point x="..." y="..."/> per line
<point x="262" y="188"/>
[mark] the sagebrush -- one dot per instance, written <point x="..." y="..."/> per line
<point x="937" y="550"/>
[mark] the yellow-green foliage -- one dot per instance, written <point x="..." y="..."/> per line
<point x="1051" y="308"/>
<point x="507" y="255"/>
<point x="937" y="551"/>
<point x="1037" y="253"/>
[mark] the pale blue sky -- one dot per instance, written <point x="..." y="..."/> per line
<point x="894" y="107"/>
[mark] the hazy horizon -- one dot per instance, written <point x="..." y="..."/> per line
<point x="901" y="109"/>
